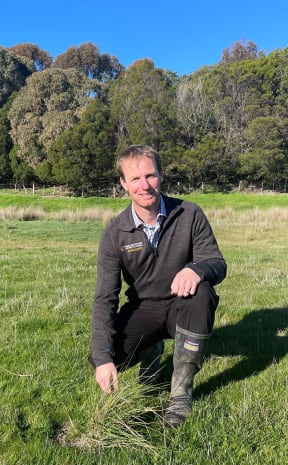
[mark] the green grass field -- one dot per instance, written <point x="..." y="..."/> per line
<point x="52" y="412"/>
<point x="50" y="202"/>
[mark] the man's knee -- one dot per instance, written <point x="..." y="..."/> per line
<point x="205" y="296"/>
<point x="197" y="313"/>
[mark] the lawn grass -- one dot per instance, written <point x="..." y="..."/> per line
<point x="52" y="412"/>
<point x="52" y="203"/>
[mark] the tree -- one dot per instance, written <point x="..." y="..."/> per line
<point x="51" y="102"/>
<point x="88" y="59"/>
<point x="22" y="172"/>
<point x="142" y="103"/>
<point x="223" y="100"/>
<point x="82" y="155"/>
<point x="109" y="68"/>
<point x="208" y="162"/>
<point x="14" y="71"/>
<point x="240" y="51"/>
<point x="41" y="59"/>
<point x="265" y="159"/>
<point x="6" y="143"/>
<point x="195" y="112"/>
<point x="278" y="61"/>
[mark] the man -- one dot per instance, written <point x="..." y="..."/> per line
<point x="165" y="250"/>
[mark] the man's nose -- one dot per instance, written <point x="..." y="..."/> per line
<point x="144" y="183"/>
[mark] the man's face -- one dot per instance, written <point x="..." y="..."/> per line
<point x="142" y="181"/>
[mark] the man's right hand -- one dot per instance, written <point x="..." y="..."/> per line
<point x="107" y="377"/>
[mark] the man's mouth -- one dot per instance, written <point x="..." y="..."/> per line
<point x="147" y="194"/>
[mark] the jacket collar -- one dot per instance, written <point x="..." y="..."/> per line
<point x="125" y="219"/>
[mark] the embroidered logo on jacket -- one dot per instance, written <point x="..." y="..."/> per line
<point x="132" y="247"/>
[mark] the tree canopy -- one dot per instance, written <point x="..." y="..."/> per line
<point x="88" y="59"/>
<point x="51" y="102"/>
<point x="65" y="120"/>
<point x="40" y="58"/>
<point x="142" y="106"/>
<point x="14" y="71"/>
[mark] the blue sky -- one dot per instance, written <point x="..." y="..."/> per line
<point x="179" y="35"/>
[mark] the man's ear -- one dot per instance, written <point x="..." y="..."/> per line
<point x="123" y="184"/>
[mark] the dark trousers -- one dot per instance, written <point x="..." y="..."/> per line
<point x="142" y="323"/>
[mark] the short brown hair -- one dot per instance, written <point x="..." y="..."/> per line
<point x="138" y="151"/>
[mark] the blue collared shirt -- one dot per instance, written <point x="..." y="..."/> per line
<point x="152" y="231"/>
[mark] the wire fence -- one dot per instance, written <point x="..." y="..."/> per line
<point x="111" y="188"/>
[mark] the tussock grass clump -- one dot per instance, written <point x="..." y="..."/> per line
<point x="255" y="215"/>
<point x="125" y="419"/>
<point x="106" y="215"/>
<point x="221" y="213"/>
<point x="71" y="216"/>
<point x="86" y="215"/>
<point x="22" y="213"/>
<point x="272" y="214"/>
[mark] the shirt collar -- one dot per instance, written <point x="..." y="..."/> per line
<point x="161" y="213"/>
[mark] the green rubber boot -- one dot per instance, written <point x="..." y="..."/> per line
<point x="187" y="361"/>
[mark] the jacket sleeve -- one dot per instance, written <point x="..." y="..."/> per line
<point x="208" y="261"/>
<point x="106" y="301"/>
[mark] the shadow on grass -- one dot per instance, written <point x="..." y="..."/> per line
<point x="260" y="337"/>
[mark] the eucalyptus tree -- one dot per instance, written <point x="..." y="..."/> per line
<point x="214" y="108"/>
<point x="241" y="50"/>
<point x="51" y="102"/>
<point x="88" y="59"/>
<point x="211" y="117"/>
<point x="278" y="77"/>
<point x="41" y="58"/>
<point x="14" y="70"/>
<point x="215" y="99"/>
<point x="6" y="143"/>
<point x="195" y="108"/>
<point x="142" y="101"/>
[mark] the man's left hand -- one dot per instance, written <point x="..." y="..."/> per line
<point x="185" y="283"/>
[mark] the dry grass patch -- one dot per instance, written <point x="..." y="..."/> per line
<point x="255" y="215"/>
<point x="86" y="214"/>
<point x="105" y="215"/>
<point x="218" y="214"/>
<point x="22" y="213"/>
<point x="71" y="216"/>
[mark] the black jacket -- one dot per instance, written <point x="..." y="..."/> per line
<point x="186" y="240"/>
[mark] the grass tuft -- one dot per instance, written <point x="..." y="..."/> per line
<point x="71" y="216"/>
<point x="22" y="213"/>
<point x="126" y="419"/>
